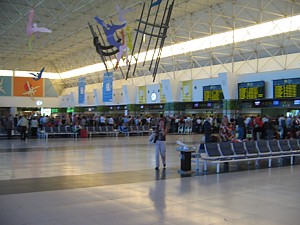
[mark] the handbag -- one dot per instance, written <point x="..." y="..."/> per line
<point x="152" y="138"/>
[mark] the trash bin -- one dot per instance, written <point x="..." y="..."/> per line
<point x="185" y="160"/>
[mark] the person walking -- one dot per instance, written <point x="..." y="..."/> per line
<point x="160" y="144"/>
<point x="34" y="126"/>
<point x="23" y="124"/>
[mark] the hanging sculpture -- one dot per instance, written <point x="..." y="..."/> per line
<point x="110" y="30"/>
<point x="156" y="3"/>
<point x="155" y="27"/>
<point x="38" y="76"/>
<point x="32" y="28"/>
<point x="159" y="22"/>
<point x="103" y="50"/>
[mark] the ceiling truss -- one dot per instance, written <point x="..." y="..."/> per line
<point x="70" y="45"/>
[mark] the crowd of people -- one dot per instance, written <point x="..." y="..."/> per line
<point x="259" y="127"/>
<point x="240" y="128"/>
<point x="30" y="124"/>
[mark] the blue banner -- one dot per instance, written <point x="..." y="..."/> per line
<point x="108" y="87"/>
<point x="81" y="90"/>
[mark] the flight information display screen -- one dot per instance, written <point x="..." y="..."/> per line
<point x="251" y="90"/>
<point x="286" y="88"/>
<point x="212" y="93"/>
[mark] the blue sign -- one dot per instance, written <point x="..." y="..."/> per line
<point x="107" y="92"/>
<point x="81" y="90"/>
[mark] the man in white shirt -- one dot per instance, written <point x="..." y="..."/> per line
<point x="34" y="126"/>
<point x="23" y="124"/>
<point x="111" y="121"/>
<point x="102" y="120"/>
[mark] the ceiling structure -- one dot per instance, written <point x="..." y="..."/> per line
<point x="70" y="45"/>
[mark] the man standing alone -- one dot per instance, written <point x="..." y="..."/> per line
<point x="207" y="128"/>
<point x="23" y="124"/>
<point x="241" y="127"/>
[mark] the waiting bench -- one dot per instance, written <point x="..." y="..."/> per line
<point x="57" y="131"/>
<point x="226" y="152"/>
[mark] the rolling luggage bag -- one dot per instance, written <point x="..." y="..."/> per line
<point x="83" y="133"/>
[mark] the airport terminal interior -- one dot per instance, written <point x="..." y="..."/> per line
<point x="84" y="84"/>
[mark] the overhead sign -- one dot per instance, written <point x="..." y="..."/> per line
<point x="107" y="91"/>
<point x="81" y="90"/>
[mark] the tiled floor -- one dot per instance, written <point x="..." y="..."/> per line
<point x="112" y="181"/>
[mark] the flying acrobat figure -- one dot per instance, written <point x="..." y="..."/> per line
<point x="33" y="28"/>
<point x="38" y="75"/>
<point x="155" y="3"/>
<point x="110" y="31"/>
<point x="122" y="13"/>
<point x="121" y="18"/>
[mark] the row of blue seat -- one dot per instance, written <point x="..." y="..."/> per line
<point x="226" y="152"/>
<point x="45" y="132"/>
<point x="91" y="130"/>
<point x="139" y="130"/>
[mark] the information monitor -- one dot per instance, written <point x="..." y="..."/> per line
<point x="286" y="88"/>
<point x="251" y="90"/>
<point x="213" y="93"/>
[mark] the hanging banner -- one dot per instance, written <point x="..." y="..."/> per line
<point x="81" y="90"/>
<point x="107" y="87"/>
<point x="162" y="94"/>
<point x="186" y="91"/>
<point x="142" y="94"/>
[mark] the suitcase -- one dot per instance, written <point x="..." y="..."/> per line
<point x="83" y="133"/>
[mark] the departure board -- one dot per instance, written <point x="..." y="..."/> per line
<point x="212" y="93"/>
<point x="251" y="90"/>
<point x="286" y="88"/>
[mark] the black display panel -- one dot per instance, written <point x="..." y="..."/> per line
<point x="286" y="88"/>
<point x="212" y="93"/>
<point x="251" y="90"/>
<point x="206" y="105"/>
<point x="117" y="107"/>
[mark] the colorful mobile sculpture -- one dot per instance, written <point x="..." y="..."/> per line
<point x="110" y="30"/>
<point x="38" y="76"/>
<point x="32" y="28"/>
<point x="155" y="27"/>
<point x="103" y="50"/>
<point x="159" y="22"/>
<point x="156" y="3"/>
